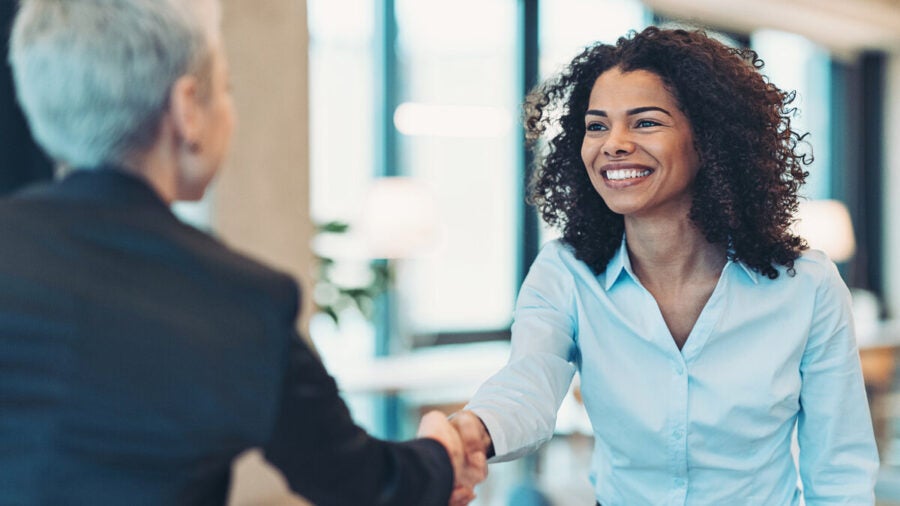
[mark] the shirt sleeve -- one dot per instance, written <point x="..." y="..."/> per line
<point x="838" y="457"/>
<point x="518" y="405"/>
<point x="330" y="460"/>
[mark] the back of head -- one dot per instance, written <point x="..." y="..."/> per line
<point x="94" y="76"/>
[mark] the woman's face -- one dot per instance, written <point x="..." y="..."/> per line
<point x="638" y="146"/>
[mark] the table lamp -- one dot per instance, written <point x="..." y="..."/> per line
<point x="398" y="218"/>
<point x="826" y="226"/>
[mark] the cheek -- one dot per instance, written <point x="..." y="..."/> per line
<point x="588" y="152"/>
<point x="691" y="159"/>
<point x="588" y="157"/>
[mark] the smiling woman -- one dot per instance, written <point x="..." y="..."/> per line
<point x="704" y="330"/>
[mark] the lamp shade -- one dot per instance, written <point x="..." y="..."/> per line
<point x="399" y="218"/>
<point x="826" y="226"/>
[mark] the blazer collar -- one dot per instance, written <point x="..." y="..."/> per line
<point x="108" y="185"/>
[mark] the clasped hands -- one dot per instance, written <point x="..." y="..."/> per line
<point x="467" y="442"/>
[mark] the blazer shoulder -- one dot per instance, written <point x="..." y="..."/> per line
<point x="258" y="280"/>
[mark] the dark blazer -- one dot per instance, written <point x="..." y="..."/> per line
<point x="139" y="356"/>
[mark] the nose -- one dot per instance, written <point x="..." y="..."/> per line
<point x="618" y="143"/>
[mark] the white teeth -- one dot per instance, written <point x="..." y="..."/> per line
<point x="619" y="174"/>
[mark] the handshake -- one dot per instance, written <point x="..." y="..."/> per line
<point x="467" y="442"/>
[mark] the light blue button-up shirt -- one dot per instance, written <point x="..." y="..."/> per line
<point x="710" y="424"/>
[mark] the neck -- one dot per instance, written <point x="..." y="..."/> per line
<point x="158" y="167"/>
<point x="671" y="252"/>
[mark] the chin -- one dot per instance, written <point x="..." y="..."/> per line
<point x="194" y="189"/>
<point x="191" y="193"/>
<point x="623" y="208"/>
<point x="191" y="197"/>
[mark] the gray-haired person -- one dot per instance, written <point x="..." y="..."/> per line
<point x="139" y="356"/>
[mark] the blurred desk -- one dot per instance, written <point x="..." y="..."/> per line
<point x="877" y="354"/>
<point x="878" y="345"/>
<point x="440" y="377"/>
<point x="460" y="367"/>
<point x="445" y="375"/>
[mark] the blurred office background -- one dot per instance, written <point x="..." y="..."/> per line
<point x="432" y="91"/>
<point x="361" y="120"/>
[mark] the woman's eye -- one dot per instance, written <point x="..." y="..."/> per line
<point x="646" y="123"/>
<point x="595" y="127"/>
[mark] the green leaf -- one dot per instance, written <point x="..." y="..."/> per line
<point x="333" y="227"/>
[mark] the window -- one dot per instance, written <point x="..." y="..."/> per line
<point x="562" y="35"/>
<point x="794" y="63"/>
<point x="457" y="116"/>
<point x="343" y="93"/>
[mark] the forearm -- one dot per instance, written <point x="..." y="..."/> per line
<point x="518" y="411"/>
<point x="330" y="460"/>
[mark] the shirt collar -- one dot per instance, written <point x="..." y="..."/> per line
<point x="753" y="275"/>
<point x="620" y="262"/>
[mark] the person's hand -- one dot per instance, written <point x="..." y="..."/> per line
<point x="476" y="444"/>
<point x="436" y="426"/>
<point x="474" y="435"/>
<point x="474" y="472"/>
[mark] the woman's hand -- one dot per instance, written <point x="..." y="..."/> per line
<point x="474" y="435"/>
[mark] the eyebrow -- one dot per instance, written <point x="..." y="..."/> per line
<point x="629" y="112"/>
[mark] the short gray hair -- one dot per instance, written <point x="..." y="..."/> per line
<point x="94" y="76"/>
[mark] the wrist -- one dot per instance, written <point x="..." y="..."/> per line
<point x="488" y="441"/>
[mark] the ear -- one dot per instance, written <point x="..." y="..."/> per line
<point x="186" y="109"/>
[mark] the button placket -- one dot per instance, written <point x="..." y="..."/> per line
<point x="678" y="429"/>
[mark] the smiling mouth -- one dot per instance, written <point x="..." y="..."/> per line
<point x="624" y="174"/>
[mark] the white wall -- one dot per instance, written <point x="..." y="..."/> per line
<point x="260" y="200"/>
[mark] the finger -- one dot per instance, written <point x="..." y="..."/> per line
<point x="478" y="462"/>
<point x="471" y="478"/>
<point x="434" y="425"/>
<point x="462" y="496"/>
<point x="462" y="502"/>
<point x="476" y="465"/>
<point x="471" y="430"/>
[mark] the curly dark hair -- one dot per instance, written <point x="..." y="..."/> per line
<point x="751" y="164"/>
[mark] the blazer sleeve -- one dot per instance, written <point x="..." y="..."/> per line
<point x="331" y="461"/>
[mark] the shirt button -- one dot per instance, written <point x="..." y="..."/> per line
<point x="677" y="434"/>
<point x="679" y="370"/>
<point x="679" y="482"/>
